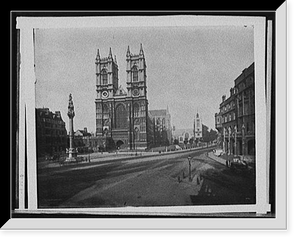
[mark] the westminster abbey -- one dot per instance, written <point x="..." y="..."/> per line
<point x="123" y="114"/>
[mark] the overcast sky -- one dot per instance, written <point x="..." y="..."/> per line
<point x="188" y="68"/>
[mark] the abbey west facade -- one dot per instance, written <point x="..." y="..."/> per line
<point x="122" y="115"/>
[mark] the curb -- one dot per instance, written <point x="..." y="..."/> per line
<point x="217" y="159"/>
<point x="105" y="160"/>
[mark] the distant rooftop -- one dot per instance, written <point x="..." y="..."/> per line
<point x="158" y="112"/>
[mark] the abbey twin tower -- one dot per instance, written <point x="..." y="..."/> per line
<point x="123" y="115"/>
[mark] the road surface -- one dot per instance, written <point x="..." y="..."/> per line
<point x="161" y="180"/>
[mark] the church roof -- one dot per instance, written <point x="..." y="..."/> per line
<point x="181" y="132"/>
<point x="158" y="112"/>
<point x="121" y="91"/>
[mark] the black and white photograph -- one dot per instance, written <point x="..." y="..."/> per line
<point x="150" y="116"/>
<point x="146" y="116"/>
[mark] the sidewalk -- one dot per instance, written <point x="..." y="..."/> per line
<point x="216" y="158"/>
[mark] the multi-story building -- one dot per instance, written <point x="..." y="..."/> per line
<point x="51" y="132"/>
<point x="162" y="130"/>
<point x="120" y="115"/>
<point x="235" y="121"/>
<point x="245" y="111"/>
<point x="81" y="138"/>
<point x="198" y="127"/>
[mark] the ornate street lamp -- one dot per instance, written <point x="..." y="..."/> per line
<point x="136" y="130"/>
<point x="243" y="139"/>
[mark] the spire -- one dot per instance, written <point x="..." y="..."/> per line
<point x="141" y="50"/>
<point x="110" y="54"/>
<point x="98" y="56"/>
<point x="128" y="52"/>
<point x="115" y="60"/>
<point x="194" y="130"/>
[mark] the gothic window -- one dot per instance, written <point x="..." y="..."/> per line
<point x="143" y="112"/>
<point x="135" y="110"/>
<point x="98" y="110"/>
<point x="104" y="77"/>
<point x="137" y="134"/>
<point x="158" y="121"/>
<point x="105" y="111"/>
<point x="121" y="116"/>
<point x="134" y="74"/>
<point x="163" y="122"/>
<point x="186" y="135"/>
<point x="143" y="127"/>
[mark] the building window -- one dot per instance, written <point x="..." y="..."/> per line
<point x="143" y="111"/>
<point x="143" y="127"/>
<point x="104" y="77"/>
<point x="163" y="122"/>
<point x="158" y="121"/>
<point x="134" y="74"/>
<point x="121" y="117"/>
<point x="136" y="110"/>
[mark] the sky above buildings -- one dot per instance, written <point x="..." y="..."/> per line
<point x="188" y="68"/>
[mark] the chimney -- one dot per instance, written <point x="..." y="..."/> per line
<point x="85" y="130"/>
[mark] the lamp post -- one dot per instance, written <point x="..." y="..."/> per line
<point x="224" y="141"/>
<point x="229" y="140"/>
<point x="190" y="168"/>
<point x="235" y="141"/>
<point x="136" y="130"/>
<point x="243" y="139"/>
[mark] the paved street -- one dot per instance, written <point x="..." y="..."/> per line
<point x="159" y="180"/>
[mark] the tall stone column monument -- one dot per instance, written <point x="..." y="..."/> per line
<point x="71" y="150"/>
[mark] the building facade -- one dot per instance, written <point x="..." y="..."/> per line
<point x="198" y="127"/>
<point x="161" y="127"/>
<point x="235" y="120"/>
<point x="51" y="132"/>
<point x="196" y="134"/>
<point x="122" y="115"/>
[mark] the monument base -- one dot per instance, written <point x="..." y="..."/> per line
<point x="71" y="160"/>
<point x="72" y="156"/>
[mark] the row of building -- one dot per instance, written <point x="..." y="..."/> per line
<point x="52" y="136"/>
<point x="235" y="120"/>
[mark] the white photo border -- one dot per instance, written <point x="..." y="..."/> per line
<point x="27" y="99"/>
